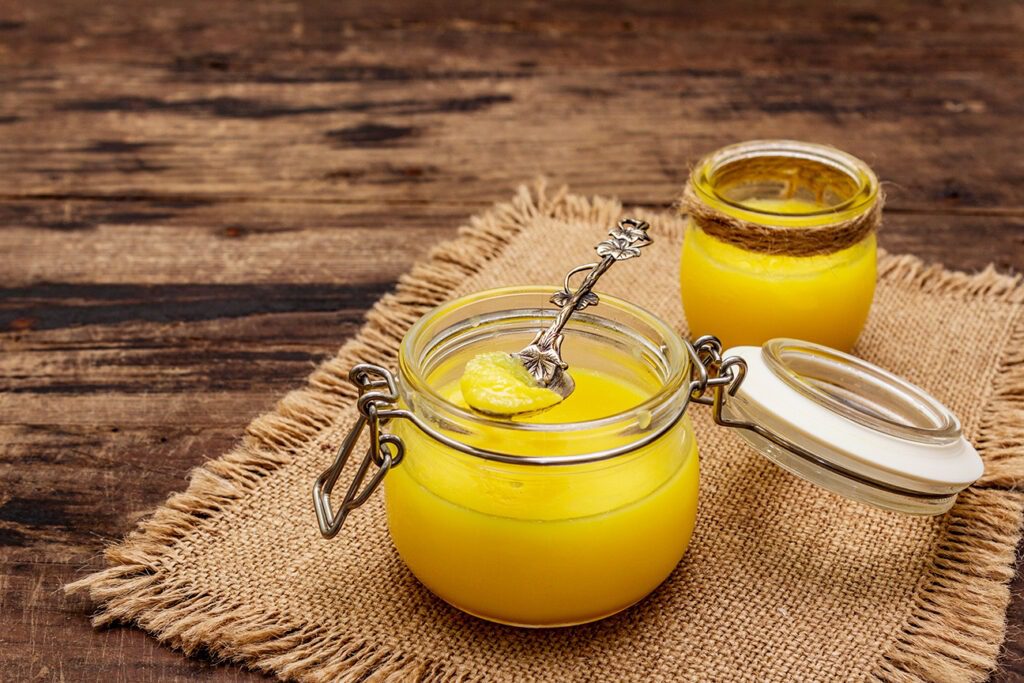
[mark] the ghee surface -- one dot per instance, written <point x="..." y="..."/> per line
<point x="746" y="298"/>
<point x="549" y="545"/>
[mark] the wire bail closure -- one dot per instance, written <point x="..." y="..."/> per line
<point x="377" y="388"/>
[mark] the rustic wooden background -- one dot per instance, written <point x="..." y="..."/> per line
<point x="199" y="200"/>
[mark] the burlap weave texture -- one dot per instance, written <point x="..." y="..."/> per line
<point x="783" y="581"/>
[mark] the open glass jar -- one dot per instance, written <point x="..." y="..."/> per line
<point x="567" y="519"/>
<point x="780" y="242"/>
<point x="545" y="523"/>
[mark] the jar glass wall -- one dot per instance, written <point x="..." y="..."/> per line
<point x="752" y="287"/>
<point x="569" y="541"/>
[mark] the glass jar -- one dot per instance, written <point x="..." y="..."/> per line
<point x="780" y="243"/>
<point x="552" y="522"/>
<point x="556" y="529"/>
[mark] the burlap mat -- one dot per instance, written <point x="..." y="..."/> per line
<point x="783" y="581"/>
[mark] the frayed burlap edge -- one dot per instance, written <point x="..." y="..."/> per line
<point x="958" y="622"/>
<point x="953" y="632"/>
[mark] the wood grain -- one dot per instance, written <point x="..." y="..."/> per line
<point x="200" y="200"/>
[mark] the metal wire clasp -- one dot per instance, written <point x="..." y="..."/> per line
<point x="377" y="390"/>
<point x="709" y="371"/>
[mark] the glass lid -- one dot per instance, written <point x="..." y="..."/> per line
<point x="850" y="426"/>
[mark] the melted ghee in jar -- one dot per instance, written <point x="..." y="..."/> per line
<point x="547" y="545"/>
<point x="746" y="297"/>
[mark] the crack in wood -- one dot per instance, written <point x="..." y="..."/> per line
<point x="49" y="306"/>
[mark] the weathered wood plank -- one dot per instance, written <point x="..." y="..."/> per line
<point x="638" y="137"/>
<point x="789" y="31"/>
<point x="292" y="243"/>
<point x="128" y="242"/>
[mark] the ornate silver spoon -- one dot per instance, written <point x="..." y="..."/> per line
<point x="543" y="356"/>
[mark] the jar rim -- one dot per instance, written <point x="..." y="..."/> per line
<point x="411" y="370"/>
<point x="841" y="382"/>
<point x="703" y="180"/>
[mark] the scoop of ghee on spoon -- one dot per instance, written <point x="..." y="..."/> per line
<point x="536" y="378"/>
<point x="499" y="384"/>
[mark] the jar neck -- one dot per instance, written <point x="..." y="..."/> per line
<point x="619" y="340"/>
<point x="785" y="183"/>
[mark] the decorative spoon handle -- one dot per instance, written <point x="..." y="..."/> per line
<point x="543" y="356"/>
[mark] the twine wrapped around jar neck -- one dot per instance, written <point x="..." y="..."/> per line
<point x="781" y="240"/>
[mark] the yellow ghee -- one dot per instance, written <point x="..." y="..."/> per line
<point x="746" y="298"/>
<point x="546" y="545"/>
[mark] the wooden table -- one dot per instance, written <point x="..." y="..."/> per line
<point x="201" y="199"/>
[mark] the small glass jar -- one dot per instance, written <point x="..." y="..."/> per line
<point x="780" y="243"/>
